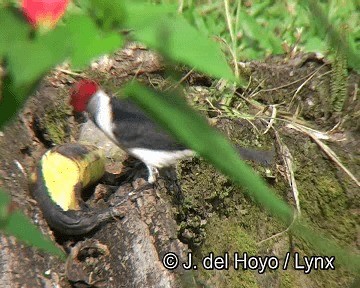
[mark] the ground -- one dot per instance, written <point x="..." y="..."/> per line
<point x="212" y="215"/>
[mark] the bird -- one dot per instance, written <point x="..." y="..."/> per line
<point x="129" y="127"/>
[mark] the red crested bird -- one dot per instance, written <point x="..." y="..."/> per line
<point x="131" y="129"/>
<point x="128" y="127"/>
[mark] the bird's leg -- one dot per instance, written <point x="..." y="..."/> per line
<point x="153" y="174"/>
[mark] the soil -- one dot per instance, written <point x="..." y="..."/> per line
<point x="198" y="208"/>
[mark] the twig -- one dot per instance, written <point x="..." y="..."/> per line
<point x="180" y="81"/>
<point x="288" y="161"/>
<point x="325" y="148"/>
<point x="304" y="83"/>
<point x="278" y="234"/>
<point x="251" y="102"/>
<point x="286" y="85"/>
<point x="232" y="36"/>
<point x="356" y="88"/>
<point x="181" y="6"/>
<point x="212" y="106"/>
<point x="65" y="71"/>
<point x="20" y="167"/>
<point x="272" y="119"/>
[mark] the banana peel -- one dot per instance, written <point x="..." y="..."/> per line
<point x="58" y="181"/>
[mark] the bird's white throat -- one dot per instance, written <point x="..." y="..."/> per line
<point x="100" y="110"/>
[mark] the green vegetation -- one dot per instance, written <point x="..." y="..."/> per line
<point x="268" y="27"/>
<point x="236" y="239"/>
<point x="55" y="123"/>
<point x="248" y="30"/>
<point x="15" y="223"/>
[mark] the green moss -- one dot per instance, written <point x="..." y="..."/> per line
<point x="339" y="82"/>
<point x="287" y="280"/>
<point x="218" y="217"/>
<point x="51" y="117"/>
<point x="55" y="123"/>
<point x="324" y="201"/>
<point x="233" y="239"/>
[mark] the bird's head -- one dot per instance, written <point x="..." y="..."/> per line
<point x="81" y="93"/>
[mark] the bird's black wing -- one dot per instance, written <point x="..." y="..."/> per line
<point x="134" y="129"/>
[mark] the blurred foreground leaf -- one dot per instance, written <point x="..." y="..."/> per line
<point x="28" y="58"/>
<point x="173" y="36"/>
<point x="13" y="98"/>
<point x="88" y="42"/>
<point x="8" y="37"/>
<point x="17" y="224"/>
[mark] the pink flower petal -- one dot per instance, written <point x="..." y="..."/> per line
<point x="44" y="12"/>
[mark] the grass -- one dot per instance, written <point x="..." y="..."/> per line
<point x="255" y="29"/>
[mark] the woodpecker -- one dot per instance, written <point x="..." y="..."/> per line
<point x="131" y="129"/>
<point x="128" y="127"/>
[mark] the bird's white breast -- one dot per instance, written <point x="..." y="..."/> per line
<point x="160" y="158"/>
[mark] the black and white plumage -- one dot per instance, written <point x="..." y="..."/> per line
<point x="129" y="127"/>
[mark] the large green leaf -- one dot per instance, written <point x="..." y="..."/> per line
<point x="13" y="30"/>
<point x="108" y="14"/>
<point x="194" y="132"/>
<point x="162" y="29"/>
<point x="13" y="98"/>
<point x="18" y="32"/>
<point x="88" y="43"/>
<point x="140" y="14"/>
<point x="29" y="59"/>
<point x="16" y="223"/>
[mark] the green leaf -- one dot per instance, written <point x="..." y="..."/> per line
<point x="13" y="98"/>
<point x="265" y="37"/>
<point x="16" y="223"/>
<point x="195" y="133"/>
<point x="4" y="208"/>
<point x="161" y="28"/>
<point x="29" y="61"/>
<point x="13" y="30"/>
<point x="176" y="39"/>
<point x="314" y="43"/>
<point x="109" y="14"/>
<point x="336" y="39"/>
<point x="87" y="43"/>
<point x="140" y="15"/>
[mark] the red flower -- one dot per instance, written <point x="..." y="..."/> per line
<point x="44" y="12"/>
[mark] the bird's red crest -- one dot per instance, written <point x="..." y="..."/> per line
<point x="81" y="93"/>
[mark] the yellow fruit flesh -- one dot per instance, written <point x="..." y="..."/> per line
<point x="65" y="176"/>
